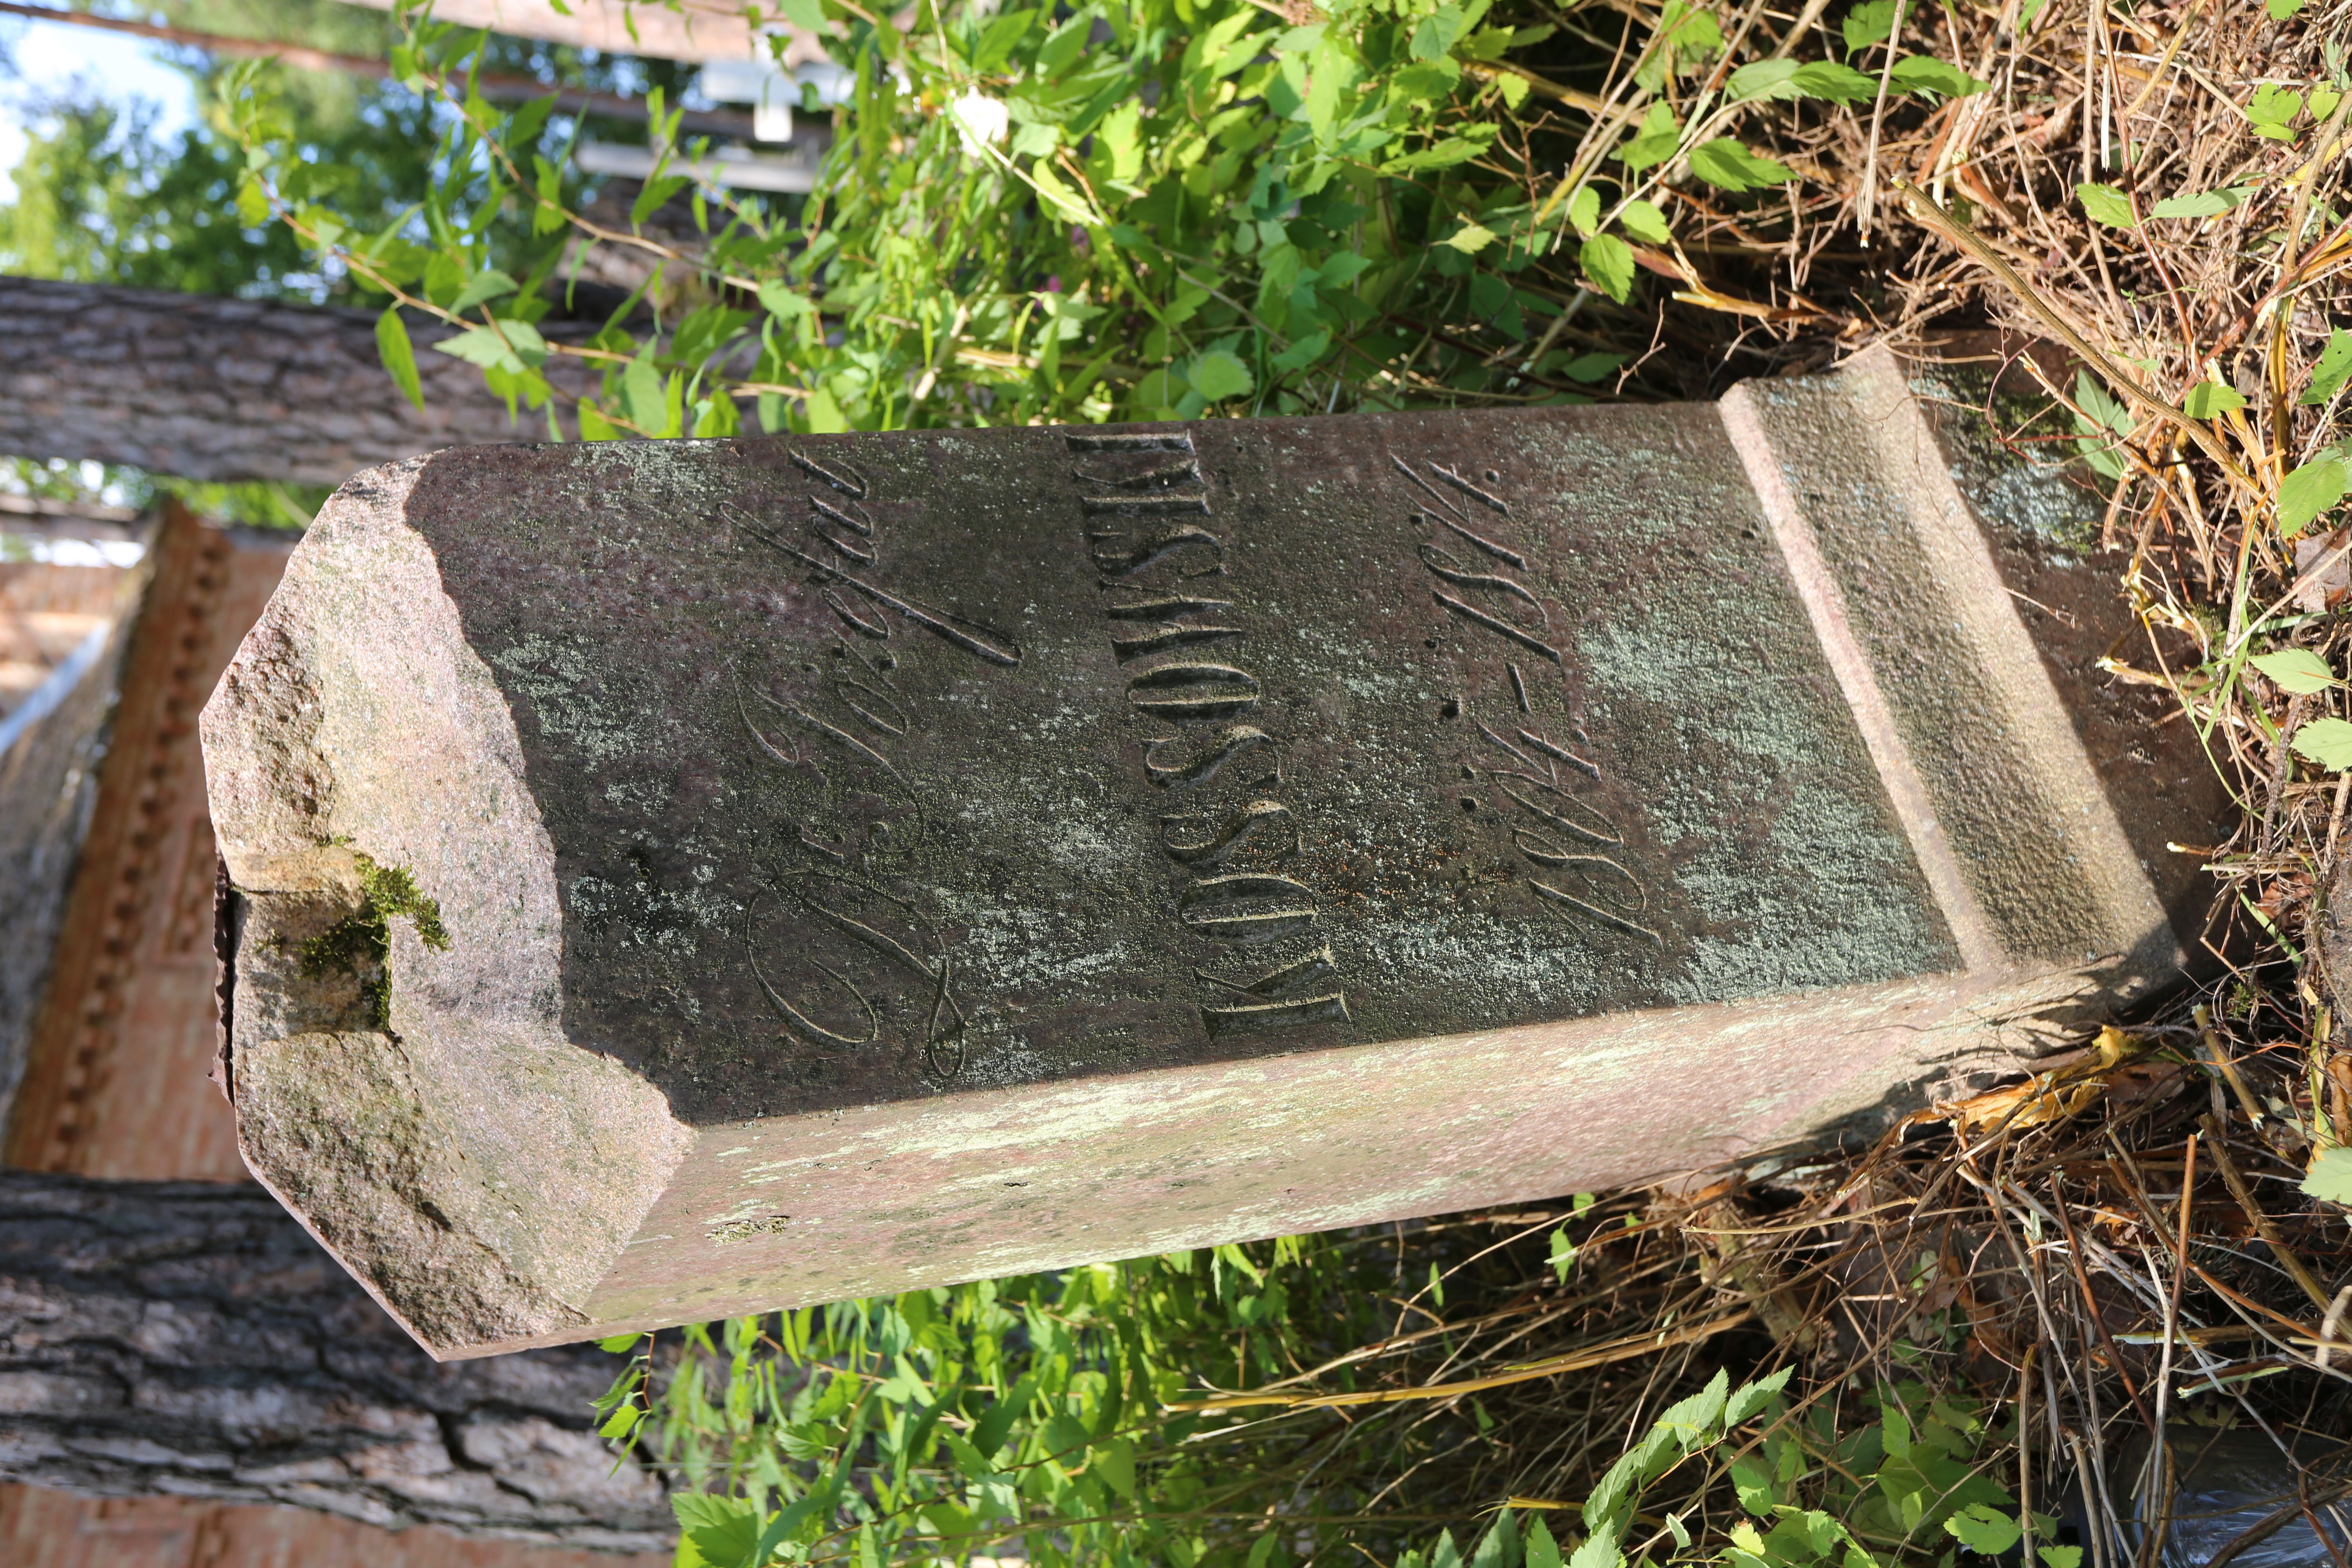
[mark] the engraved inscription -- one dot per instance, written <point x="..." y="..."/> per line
<point x="1573" y="849"/>
<point x="1184" y="647"/>
<point x="839" y="944"/>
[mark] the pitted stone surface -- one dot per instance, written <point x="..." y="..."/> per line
<point x="880" y="859"/>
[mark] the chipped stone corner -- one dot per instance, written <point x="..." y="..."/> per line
<point x="404" y="1083"/>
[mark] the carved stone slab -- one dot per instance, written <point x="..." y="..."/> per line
<point x="879" y="861"/>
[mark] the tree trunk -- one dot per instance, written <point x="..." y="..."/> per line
<point x="210" y="388"/>
<point x="189" y="1338"/>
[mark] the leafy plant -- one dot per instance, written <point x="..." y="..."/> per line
<point x="1138" y="209"/>
<point x="1902" y="1488"/>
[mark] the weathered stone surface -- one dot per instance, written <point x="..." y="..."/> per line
<point x="870" y="861"/>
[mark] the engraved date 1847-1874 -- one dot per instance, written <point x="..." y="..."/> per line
<point x="834" y="738"/>
<point x="1574" y="849"/>
<point x="1173" y="626"/>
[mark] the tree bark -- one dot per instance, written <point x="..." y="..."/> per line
<point x="189" y="1338"/>
<point x="209" y="388"/>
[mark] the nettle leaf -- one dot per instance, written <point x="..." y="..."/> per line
<point x="2107" y="205"/>
<point x="2210" y="400"/>
<point x="2330" y="1177"/>
<point x="2203" y="203"/>
<point x="1867" y="23"/>
<point x="1749" y="1399"/>
<point x="2061" y="1556"/>
<point x="1645" y="222"/>
<point x="2296" y="670"/>
<point x="1829" y="80"/>
<point x="1609" y="262"/>
<point x="718" y="1532"/>
<point x="2281" y="10"/>
<point x="1926" y="73"/>
<point x="2310" y="490"/>
<point x="1541" y="1550"/>
<point x="1218" y="374"/>
<point x="1724" y="163"/>
<point x="2327" y="742"/>
<point x="2335" y="367"/>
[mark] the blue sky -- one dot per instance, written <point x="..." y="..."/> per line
<point x="50" y="56"/>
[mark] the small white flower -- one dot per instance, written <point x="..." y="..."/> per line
<point x="980" y="120"/>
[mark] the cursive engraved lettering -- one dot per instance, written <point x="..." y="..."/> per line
<point x="1159" y="626"/>
<point x="830" y="748"/>
<point x="1228" y="746"/>
<point x="1239" y="828"/>
<point x="1193" y="690"/>
<point x="1555" y="829"/>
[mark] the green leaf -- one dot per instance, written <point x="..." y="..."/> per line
<point x="1749" y="1399"/>
<point x="719" y="1531"/>
<point x="1839" y="83"/>
<point x="481" y="346"/>
<point x="1541" y="1550"/>
<point x="1500" y="1548"/>
<point x="2061" y="1556"/>
<point x="1694" y="1420"/>
<point x="1926" y="73"/>
<point x="2107" y="205"/>
<point x="1724" y="162"/>
<point x="393" y="347"/>
<point x="785" y="304"/>
<point x="2330" y="1177"/>
<point x="2310" y="490"/>
<point x="618" y="1345"/>
<point x="595" y="427"/>
<point x="2281" y="10"/>
<point x="642" y="395"/>
<point x="2335" y="367"/>
<point x="1587" y="368"/>
<point x="1867" y="23"/>
<point x="2272" y="109"/>
<point x="1219" y="374"/>
<point x="2210" y="400"/>
<point x="486" y="284"/>
<point x="1584" y="211"/>
<point x="2327" y="742"/>
<point x="1763" y="80"/>
<point x="2203" y="203"/>
<point x="1753" y="1483"/>
<point x="1645" y="222"/>
<point x="1609" y="262"/>
<point x="1599" y="1551"/>
<point x="1435" y="35"/>
<point x="808" y="16"/>
<point x="1471" y="238"/>
<point x="1984" y="1529"/>
<point x="2296" y="670"/>
<point x="1655" y="142"/>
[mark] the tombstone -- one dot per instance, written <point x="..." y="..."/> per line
<point x="685" y="879"/>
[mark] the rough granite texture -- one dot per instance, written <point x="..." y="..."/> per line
<point x="879" y="860"/>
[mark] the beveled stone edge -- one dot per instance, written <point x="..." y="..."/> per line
<point x="445" y="1285"/>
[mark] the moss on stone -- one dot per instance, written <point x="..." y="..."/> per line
<point x="360" y="943"/>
